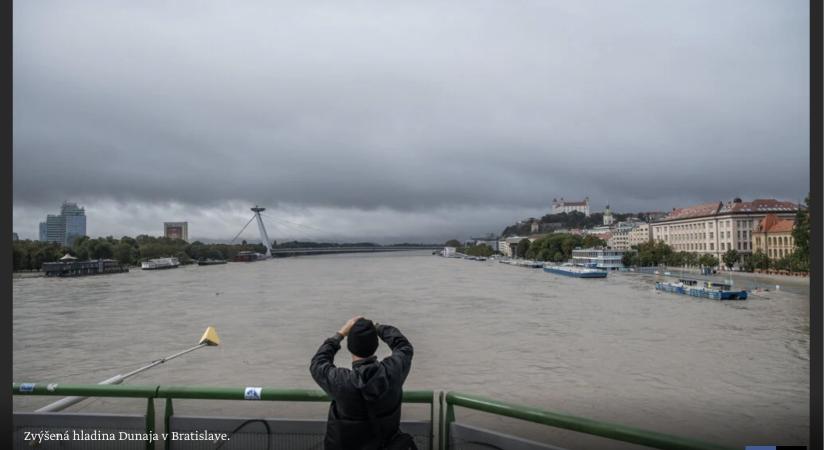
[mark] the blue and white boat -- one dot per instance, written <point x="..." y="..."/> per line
<point x="578" y="271"/>
<point x="715" y="291"/>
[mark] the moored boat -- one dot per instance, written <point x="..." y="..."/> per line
<point x="577" y="271"/>
<point x="72" y="268"/>
<point x="249" y="257"/>
<point x="711" y="290"/>
<point x="160" y="263"/>
<point x="211" y="262"/>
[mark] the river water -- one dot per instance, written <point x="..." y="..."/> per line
<point x="615" y="349"/>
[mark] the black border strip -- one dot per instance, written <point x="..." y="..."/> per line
<point x="6" y="226"/>
<point x="816" y="80"/>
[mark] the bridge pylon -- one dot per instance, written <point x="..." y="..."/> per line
<point x="264" y="237"/>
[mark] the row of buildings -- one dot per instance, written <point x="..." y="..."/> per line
<point x="709" y="228"/>
<point x="70" y="224"/>
<point x="715" y="228"/>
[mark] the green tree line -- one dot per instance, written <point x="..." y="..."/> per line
<point x="557" y="247"/>
<point x="30" y="255"/>
<point x="655" y="253"/>
<point x="553" y="247"/>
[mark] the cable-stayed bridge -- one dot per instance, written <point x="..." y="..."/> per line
<point x="319" y="249"/>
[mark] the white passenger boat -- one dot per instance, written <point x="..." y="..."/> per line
<point x="160" y="263"/>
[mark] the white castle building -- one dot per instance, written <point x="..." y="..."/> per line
<point x="562" y="206"/>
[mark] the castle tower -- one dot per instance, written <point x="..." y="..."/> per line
<point x="607" y="217"/>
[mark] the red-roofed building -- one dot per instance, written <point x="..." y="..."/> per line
<point x="774" y="236"/>
<point x="717" y="227"/>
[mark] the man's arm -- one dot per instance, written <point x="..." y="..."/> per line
<point x="322" y="366"/>
<point x="402" y="349"/>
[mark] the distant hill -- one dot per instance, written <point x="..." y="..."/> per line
<point x="569" y="220"/>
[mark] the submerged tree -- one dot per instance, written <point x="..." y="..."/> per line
<point x="730" y="257"/>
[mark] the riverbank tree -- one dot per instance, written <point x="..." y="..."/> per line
<point x="559" y="247"/>
<point x="730" y="258"/>
<point x="483" y="250"/>
<point x="651" y="254"/>
<point x="708" y="260"/>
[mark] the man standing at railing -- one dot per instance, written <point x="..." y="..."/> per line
<point x="365" y="412"/>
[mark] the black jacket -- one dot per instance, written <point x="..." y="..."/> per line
<point x="370" y="381"/>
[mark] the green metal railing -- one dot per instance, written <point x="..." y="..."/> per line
<point x="200" y="393"/>
<point x="446" y="414"/>
<point x="580" y="424"/>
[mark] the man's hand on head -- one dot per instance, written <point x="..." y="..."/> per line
<point x="348" y="326"/>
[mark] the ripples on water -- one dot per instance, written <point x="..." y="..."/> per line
<point x="612" y="349"/>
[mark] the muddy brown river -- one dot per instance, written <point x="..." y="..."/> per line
<point x="614" y="349"/>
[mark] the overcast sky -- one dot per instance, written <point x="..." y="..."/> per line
<point x="393" y="121"/>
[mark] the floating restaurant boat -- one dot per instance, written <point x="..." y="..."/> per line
<point x="160" y="263"/>
<point x="711" y="290"/>
<point x="211" y="262"/>
<point x="72" y="268"/>
<point x="577" y="271"/>
<point x="249" y="257"/>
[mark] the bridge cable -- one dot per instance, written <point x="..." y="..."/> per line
<point x="244" y="227"/>
<point x="309" y="227"/>
<point x="288" y="228"/>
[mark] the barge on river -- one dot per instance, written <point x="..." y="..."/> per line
<point x="577" y="271"/>
<point x="711" y="290"/>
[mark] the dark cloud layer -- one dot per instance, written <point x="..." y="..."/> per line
<point x="411" y="108"/>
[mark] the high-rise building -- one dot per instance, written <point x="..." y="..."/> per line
<point x="55" y="229"/>
<point x="176" y="230"/>
<point x="64" y="228"/>
<point x="14" y="237"/>
<point x="75" y="220"/>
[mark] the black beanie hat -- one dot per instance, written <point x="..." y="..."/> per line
<point x="362" y="340"/>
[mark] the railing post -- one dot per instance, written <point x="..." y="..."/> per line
<point x="167" y="416"/>
<point x="449" y="418"/>
<point x="150" y="422"/>
<point x="432" y="420"/>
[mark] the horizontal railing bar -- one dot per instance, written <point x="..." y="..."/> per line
<point x="269" y="394"/>
<point x="85" y="390"/>
<point x="190" y="392"/>
<point x="237" y="393"/>
<point x="580" y="424"/>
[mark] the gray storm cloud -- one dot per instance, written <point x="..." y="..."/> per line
<point x="406" y="112"/>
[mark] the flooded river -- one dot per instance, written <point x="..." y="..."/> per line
<point x="614" y="349"/>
